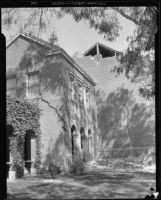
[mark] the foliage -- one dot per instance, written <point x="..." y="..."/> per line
<point x="106" y="21"/>
<point x="37" y="165"/>
<point x="144" y="160"/>
<point x="85" y="156"/>
<point x="50" y="170"/>
<point x="53" y="39"/>
<point x="53" y="169"/>
<point x="21" y="116"/>
<point x="34" y="20"/>
<point x="77" y="166"/>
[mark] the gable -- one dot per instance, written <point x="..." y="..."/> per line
<point x="100" y="49"/>
<point x="16" y="50"/>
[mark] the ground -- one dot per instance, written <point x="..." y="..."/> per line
<point x="94" y="184"/>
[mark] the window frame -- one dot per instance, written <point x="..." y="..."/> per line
<point x="28" y="86"/>
<point x="12" y="76"/>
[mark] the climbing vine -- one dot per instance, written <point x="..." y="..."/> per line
<point x="22" y="116"/>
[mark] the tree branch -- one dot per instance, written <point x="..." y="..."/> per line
<point x="40" y="21"/>
<point x="128" y="17"/>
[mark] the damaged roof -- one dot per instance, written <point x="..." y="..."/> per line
<point x="100" y="49"/>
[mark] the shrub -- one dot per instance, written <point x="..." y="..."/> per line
<point x="85" y="156"/>
<point x="36" y="165"/>
<point x="42" y="172"/>
<point x="116" y="164"/>
<point x="66" y="163"/>
<point x="53" y="169"/>
<point x="50" y="170"/>
<point x="18" y="167"/>
<point x="77" y="166"/>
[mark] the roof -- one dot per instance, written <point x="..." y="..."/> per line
<point x="30" y="37"/>
<point x="76" y="66"/>
<point x="102" y="49"/>
<point x="51" y="50"/>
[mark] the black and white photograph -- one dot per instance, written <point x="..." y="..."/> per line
<point x="80" y="102"/>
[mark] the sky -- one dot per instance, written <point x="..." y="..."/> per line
<point x="75" y="37"/>
<point x="78" y="37"/>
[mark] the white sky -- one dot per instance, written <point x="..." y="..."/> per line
<point x="78" y="37"/>
<point x="73" y="37"/>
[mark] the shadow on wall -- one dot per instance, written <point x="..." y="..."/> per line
<point x="52" y="75"/>
<point x="123" y="122"/>
<point x="60" y="152"/>
<point x="54" y="79"/>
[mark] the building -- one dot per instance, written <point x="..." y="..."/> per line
<point x="48" y="77"/>
<point x="122" y="114"/>
<point x="99" y="61"/>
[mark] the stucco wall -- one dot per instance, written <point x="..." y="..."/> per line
<point x="123" y="115"/>
<point x="50" y="124"/>
<point x="54" y="101"/>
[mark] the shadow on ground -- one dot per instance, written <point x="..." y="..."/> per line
<point x="94" y="185"/>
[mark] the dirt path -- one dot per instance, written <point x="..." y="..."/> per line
<point x="96" y="184"/>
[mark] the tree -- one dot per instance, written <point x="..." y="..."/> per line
<point x="32" y="20"/>
<point x="139" y="56"/>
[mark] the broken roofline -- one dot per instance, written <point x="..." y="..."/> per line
<point x="77" y="67"/>
<point x="44" y="43"/>
<point x="97" y="43"/>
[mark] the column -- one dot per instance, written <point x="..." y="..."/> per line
<point x="33" y="156"/>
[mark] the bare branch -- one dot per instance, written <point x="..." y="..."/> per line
<point x="129" y="18"/>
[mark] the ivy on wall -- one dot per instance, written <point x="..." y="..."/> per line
<point x="22" y="117"/>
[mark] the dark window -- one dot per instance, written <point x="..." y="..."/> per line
<point x="27" y="147"/>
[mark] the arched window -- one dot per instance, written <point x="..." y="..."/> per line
<point x="90" y="143"/>
<point x="83" y="138"/>
<point x="89" y="133"/>
<point x="73" y="130"/>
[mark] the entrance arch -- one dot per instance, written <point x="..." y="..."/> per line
<point x="90" y="144"/>
<point x="27" y="149"/>
<point x="84" y="144"/>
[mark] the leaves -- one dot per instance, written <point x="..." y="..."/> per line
<point x="22" y="116"/>
<point x="105" y="21"/>
<point x="142" y="41"/>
